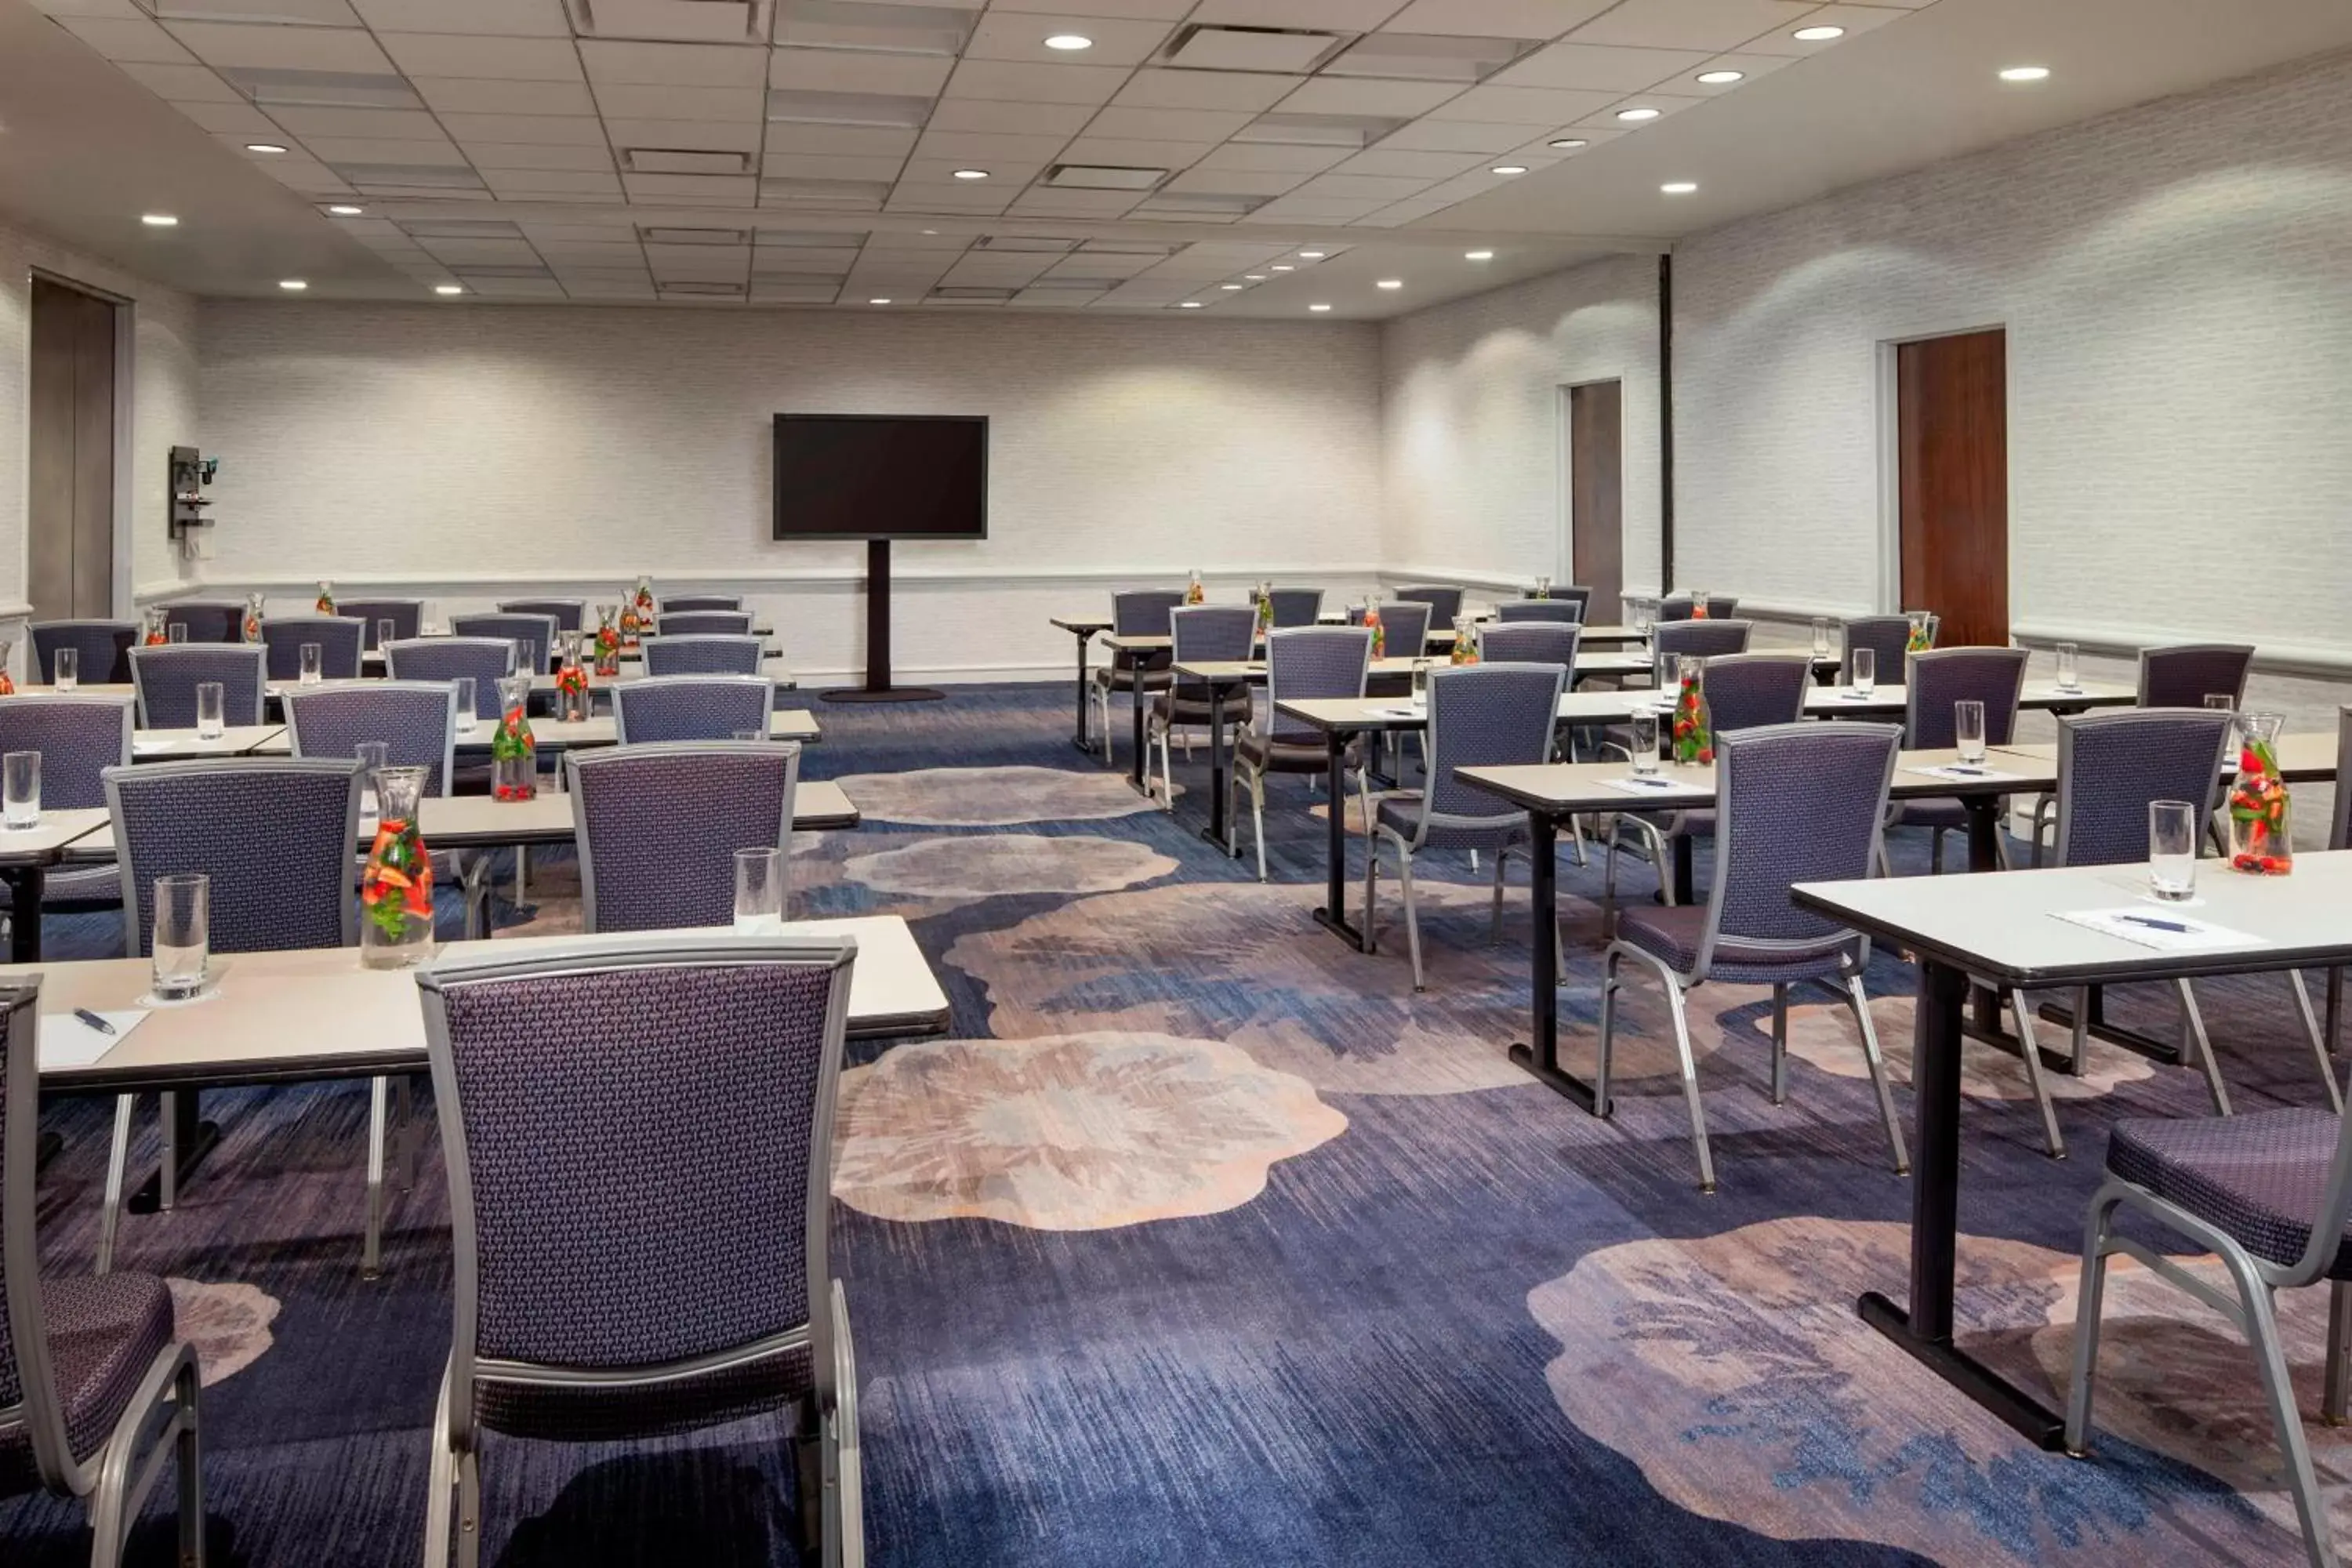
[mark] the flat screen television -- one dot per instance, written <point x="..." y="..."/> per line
<point x="881" y="476"/>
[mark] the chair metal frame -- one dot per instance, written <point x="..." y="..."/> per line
<point x="1244" y="776"/>
<point x="631" y="690"/>
<point x="1157" y="730"/>
<point x="1105" y="676"/>
<point x="577" y="762"/>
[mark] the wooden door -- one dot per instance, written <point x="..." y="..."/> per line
<point x="1952" y="452"/>
<point x="1596" y="448"/>
<point x="70" y="546"/>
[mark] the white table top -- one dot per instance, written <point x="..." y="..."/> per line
<point x="634" y="671"/>
<point x="41" y="843"/>
<point x="554" y="734"/>
<point x="319" y="1014"/>
<point x="1619" y="706"/>
<point x="1567" y="788"/>
<point x="182" y="745"/>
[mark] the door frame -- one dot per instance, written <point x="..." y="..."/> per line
<point x="122" y="577"/>
<point x="1890" y="458"/>
<point x="1563" y="435"/>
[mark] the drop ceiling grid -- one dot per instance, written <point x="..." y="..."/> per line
<point x="522" y="74"/>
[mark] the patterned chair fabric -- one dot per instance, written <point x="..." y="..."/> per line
<point x="538" y="631"/>
<point x="569" y="615"/>
<point x="276" y="836"/>
<point x="1405" y="625"/>
<point x="1940" y="677"/>
<point x="415" y="720"/>
<point x="1888" y="637"/>
<point x="1554" y="609"/>
<point x="165" y="679"/>
<point x="1205" y="634"/>
<point x="104" y="647"/>
<point x="1444" y="603"/>
<point x="680" y="604"/>
<point x="78" y="738"/>
<point x="2260" y="1176"/>
<point x="690" y="708"/>
<point x="2112" y="765"/>
<point x="1532" y="642"/>
<point x="1296" y="606"/>
<point x="207" y="620"/>
<point x="1753" y="690"/>
<point x="340" y="639"/>
<point x="483" y="660"/>
<point x="659" y="825"/>
<point x="1677" y="607"/>
<point x="1482" y="715"/>
<point x="703" y="623"/>
<point x="701" y="655"/>
<point x="1304" y="664"/>
<point x="1701" y="639"/>
<point x="2183" y="677"/>
<point x="407" y="616"/>
<point x="2339" y="827"/>
<point x="1143" y="612"/>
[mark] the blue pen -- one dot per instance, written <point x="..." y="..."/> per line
<point x="93" y="1020"/>
<point x="2158" y="925"/>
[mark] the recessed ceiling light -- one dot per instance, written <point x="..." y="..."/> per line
<point x="1284" y="266"/>
<point x="1188" y="305"/>
<point x="345" y="209"/>
<point x="1477" y="256"/>
<point x="1638" y="113"/>
<point x="1720" y="78"/>
<point x="2026" y="73"/>
<point x="1069" y="42"/>
<point x="1678" y="187"/>
<point x="972" y="173"/>
<point x="1569" y="143"/>
<point x="1391" y="283"/>
<point x="295" y="284"/>
<point x="448" y="288"/>
<point x="878" y="302"/>
<point x="1313" y="255"/>
<point x="1255" y="277"/>
<point x="1817" y="35"/>
<point x="1230" y="288"/>
<point x="263" y="147"/>
<point x="159" y="220"/>
<point x="1508" y="169"/>
<point x="1319" y="306"/>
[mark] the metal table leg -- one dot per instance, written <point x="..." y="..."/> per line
<point x="1540" y="1056"/>
<point x="1333" y="915"/>
<point x="1078" y="736"/>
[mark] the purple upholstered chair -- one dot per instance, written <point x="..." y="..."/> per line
<point x="1198" y="634"/>
<point x="1677" y="607"/>
<point x="1532" y="642"/>
<point x="1444" y="603"/>
<point x="640" y="1136"/>
<point x="416" y="720"/>
<point x="690" y="708"/>
<point x="1565" y="604"/>
<point x="1888" y="638"/>
<point x="1934" y="683"/>
<point x="703" y="623"/>
<point x="658" y="826"/>
<point x="1482" y="715"/>
<point x="536" y="632"/>
<point x="1795" y="802"/>
<point x="407" y="616"/>
<point x="1295" y="607"/>
<point x="1405" y="625"/>
<point x="340" y="639"/>
<point x="278" y="838"/>
<point x="2184" y="675"/>
<point x="680" y="604"/>
<point x="2272" y="1194"/>
<point x="207" y="620"/>
<point x="165" y="678"/>
<point x="1139" y="613"/>
<point x="96" y="1387"/>
<point x="1709" y="638"/>
<point x="569" y="615"/>
<point x="1302" y="664"/>
<point x="103" y="646"/>
<point x="79" y="737"/>
<point x="702" y="655"/>
<point x="483" y="660"/>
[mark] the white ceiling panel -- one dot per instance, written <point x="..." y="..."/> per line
<point x="828" y="167"/>
<point x="1021" y="36"/>
<point x="1366" y="95"/>
<point x="649" y="100"/>
<point x="1238" y="182"/>
<point x="1523" y="106"/>
<point x="512" y="18"/>
<point x="417" y="153"/>
<point x="237" y="120"/>
<point x="841" y="141"/>
<point x="1119" y="152"/>
<point x="1750" y="67"/>
<point x="551" y="182"/>
<point x="1404" y="161"/>
<point x="1044" y="202"/>
<point x="512" y="59"/>
<point x="1011" y="117"/>
<point x="1586" y="67"/>
<point x="388" y="122"/>
<point x="1347" y="15"/>
<point x="627" y="63"/>
<point x="1663" y="102"/>
<point x="859" y="70"/>
<point x="513" y="156"/>
<point x="1709" y="25"/>
<point x="1033" y="83"/>
<point x="1168" y="125"/>
<point x="1453" y="136"/>
<point x="1496" y="19"/>
<point x="478" y="95"/>
<point x="1381" y="188"/>
<point x="979" y="149"/>
<point x="683" y="190"/>
<point x="282" y="48"/>
<point x="1275" y="156"/>
<point x="731" y="136"/>
<point x="1153" y="10"/>
<point x="182" y="83"/>
<point x="127" y="39"/>
<point x="1856" y="19"/>
<point x="1252" y="90"/>
<point x="509" y="130"/>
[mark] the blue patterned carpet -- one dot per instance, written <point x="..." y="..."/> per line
<point x="1205" y="1241"/>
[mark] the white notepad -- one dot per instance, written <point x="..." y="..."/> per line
<point x="2151" y="927"/>
<point x="1653" y="784"/>
<point x="67" y="1042"/>
<point x="1967" y="772"/>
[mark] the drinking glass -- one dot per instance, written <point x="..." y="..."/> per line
<point x="64" y="668"/>
<point x="373" y="754"/>
<point x="426" y="621"/>
<point x="2070" y="668"/>
<point x="2220" y="702"/>
<point x="1865" y="670"/>
<point x="526" y="661"/>
<point x="22" y="791"/>
<point x="176" y="632"/>
<point x="759" y="892"/>
<point x="1820" y="637"/>
<point x="1967" y="731"/>
<point x="466" y="714"/>
<point x="1645" y="742"/>
<point x="1661" y="676"/>
<point x="1420" y="681"/>
<point x="385" y="631"/>
<point x="182" y="934"/>
<point x="1543" y="587"/>
<point x="1645" y="612"/>
<point x="210" y="696"/>
<point x="551" y="777"/>
<point x="752" y="735"/>
<point x="309" y="664"/>
<point x="2172" y="850"/>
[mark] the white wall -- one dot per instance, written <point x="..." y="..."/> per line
<point x="469" y="451"/>
<point x="1473" y="465"/>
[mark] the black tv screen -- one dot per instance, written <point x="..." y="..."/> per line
<point x="873" y="476"/>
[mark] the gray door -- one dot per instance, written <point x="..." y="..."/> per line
<point x="71" y="547"/>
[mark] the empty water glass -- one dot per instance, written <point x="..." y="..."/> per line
<point x="64" y="668"/>
<point x="385" y="631"/>
<point x="2220" y="702"/>
<point x="2172" y="850"/>
<point x="1967" y="731"/>
<point x="310" y="657"/>
<point x="759" y="892"/>
<point x="1543" y="587"/>
<point x="1645" y="742"/>
<point x="466" y="714"/>
<point x="176" y="632"/>
<point x="1865" y="670"/>
<point x="210" y="696"/>
<point x="551" y="777"/>
<point x="2070" y="668"/>
<point x="1820" y="637"/>
<point x="1662" y="675"/>
<point x="1645" y="614"/>
<point x="182" y="935"/>
<point x="1420" y="681"/>
<point x="22" y="791"/>
<point x="373" y="754"/>
<point x="527" y="658"/>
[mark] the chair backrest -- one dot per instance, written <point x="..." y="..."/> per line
<point x="680" y="603"/>
<point x="1751" y="691"/>
<point x="639" y="1137"/>
<point x="1795" y="802"/>
<point x="702" y="655"/>
<point x="1555" y="609"/>
<point x="569" y="615"/>
<point x="1296" y="606"/>
<point x="1888" y="637"/>
<point x="340" y="639"/>
<point x="1212" y="632"/>
<point x="1486" y="715"/>
<point x="658" y="826"/>
<point x="1444" y="603"/>
<point x="1405" y="625"/>
<point x="27" y="1375"/>
<point x="277" y="835"/>
<point x="415" y="719"/>
<point x="690" y="708"/>
<point x="703" y="623"/>
<point x="1938" y="677"/>
<point x="1143" y="612"/>
<point x="1677" y="607"/>
<point x="1304" y="664"/>
<point x="2184" y="675"/>
<point x="2112" y="765"/>
<point x="2339" y="830"/>
<point x="484" y="660"/>
<point x="407" y="616"/>
<point x="165" y="678"/>
<point x="538" y="631"/>
<point x="78" y="738"/>
<point x="1532" y="642"/>
<point x="104" y="647"/>
<point x="1702" y="639"/>
<point x="207" y="620"/>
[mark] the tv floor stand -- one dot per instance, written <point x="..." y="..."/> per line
<point x="878" y="687"/>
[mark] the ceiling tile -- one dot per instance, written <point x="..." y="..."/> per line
<point x="1312" y="210"/>
<point x="691" y="190"/>
<point x="1006" y="176"/>
<point x="475" y="95"/>
<point x="1665" y="103"/>
<point x="1238" y="182"/>
<point x="648" y="100"/>
<point x="1349" y="15"/>
<point x="1011" y="118"/>
<point x="587" y="253"/>
<point x="858" y="70"/>
<point x="1856" y="19"/>
<point x="1168" y="125"/>
<point x="1496" y="19"/>
<point x="1596" y="70"/>
<point x="551" y="182"/>
<point x="828" y="167"/>
<point x="1455" y="136"/>
<point x="181" y="83"/>
<point x="510" y="155"/>
<point x="974" y="147"/>
<point x="127" y="39"/>
<point x="841" y="141"/>
<point x="1383" y="188"/>
<point x="1251" y="91"/>
<point x="493" y="250"/>
<point x="1119" y="152"/>
<point x="412" y="124"/>
<point x="1021" y="36"/>
<point x="1750" y="67"/>
<point x="283" y="48"/>
<point x="1160" y="10"/>
<point x="1040" y="202"/>
<point x="1035" y="84"/>
<point x="384" y="150"/>
<point x="714" y="135"/>
<point x="1523" y="106"/>
<point x="543" y="129"/>
<point x="1709" y="25"/>
<point x="238" y="120"/>
<point x="1402" y="161"/>
<point x="1366" y="95"/>
<point x="621" y="62"/>
<point x="61" y="8"/>
<point x="1275" y="157"/>
<point x="514" y="59"/>
<point x="514" y="18"/>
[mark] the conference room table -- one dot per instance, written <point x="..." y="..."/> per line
<point x="2012" y="930"/>
<point x="473" y="740"/>
<point x="320" y="1015"/>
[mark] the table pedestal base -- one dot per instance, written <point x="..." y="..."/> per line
<point x="2028" y="1416"/>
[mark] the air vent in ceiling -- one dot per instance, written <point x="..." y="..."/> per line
<point x="683" y="160"/>
<point x="1102" y="177"/>
<point x="1032" y="244"/>
<point x="703" y="289"/>
<point x="321" y="89"/>
<point x="462" y="228"/>
<point x="471" y="270"/>
<point x="657" y="235"/>
<point x="1318" y="130"/>
<point x="794" y="106"/>
<point x="1428" y="57"/>
<point x="970" y="296"/>
<point x="891" y="27"/>
<point x="1199" y="204"/>
<point x="414" y="175"/>
<point x="673" y="21"/>
<point x="849" y="196"/>
<point x="1297" y="50"/>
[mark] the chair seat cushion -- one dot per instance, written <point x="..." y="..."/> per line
<point x="1943" y="812"/>
<point x="89" y="885"/>
<point x="2258" y="1176"/>
<point x="576" y="1414"/>
<point x="1121" y="677"/>
<point x="104" y="1333"/>
<point x="1400" y="815"/>
<point x="1673" y="934"/>
<point x="1275" y="755"/>
<point x="1189" y="709"/>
